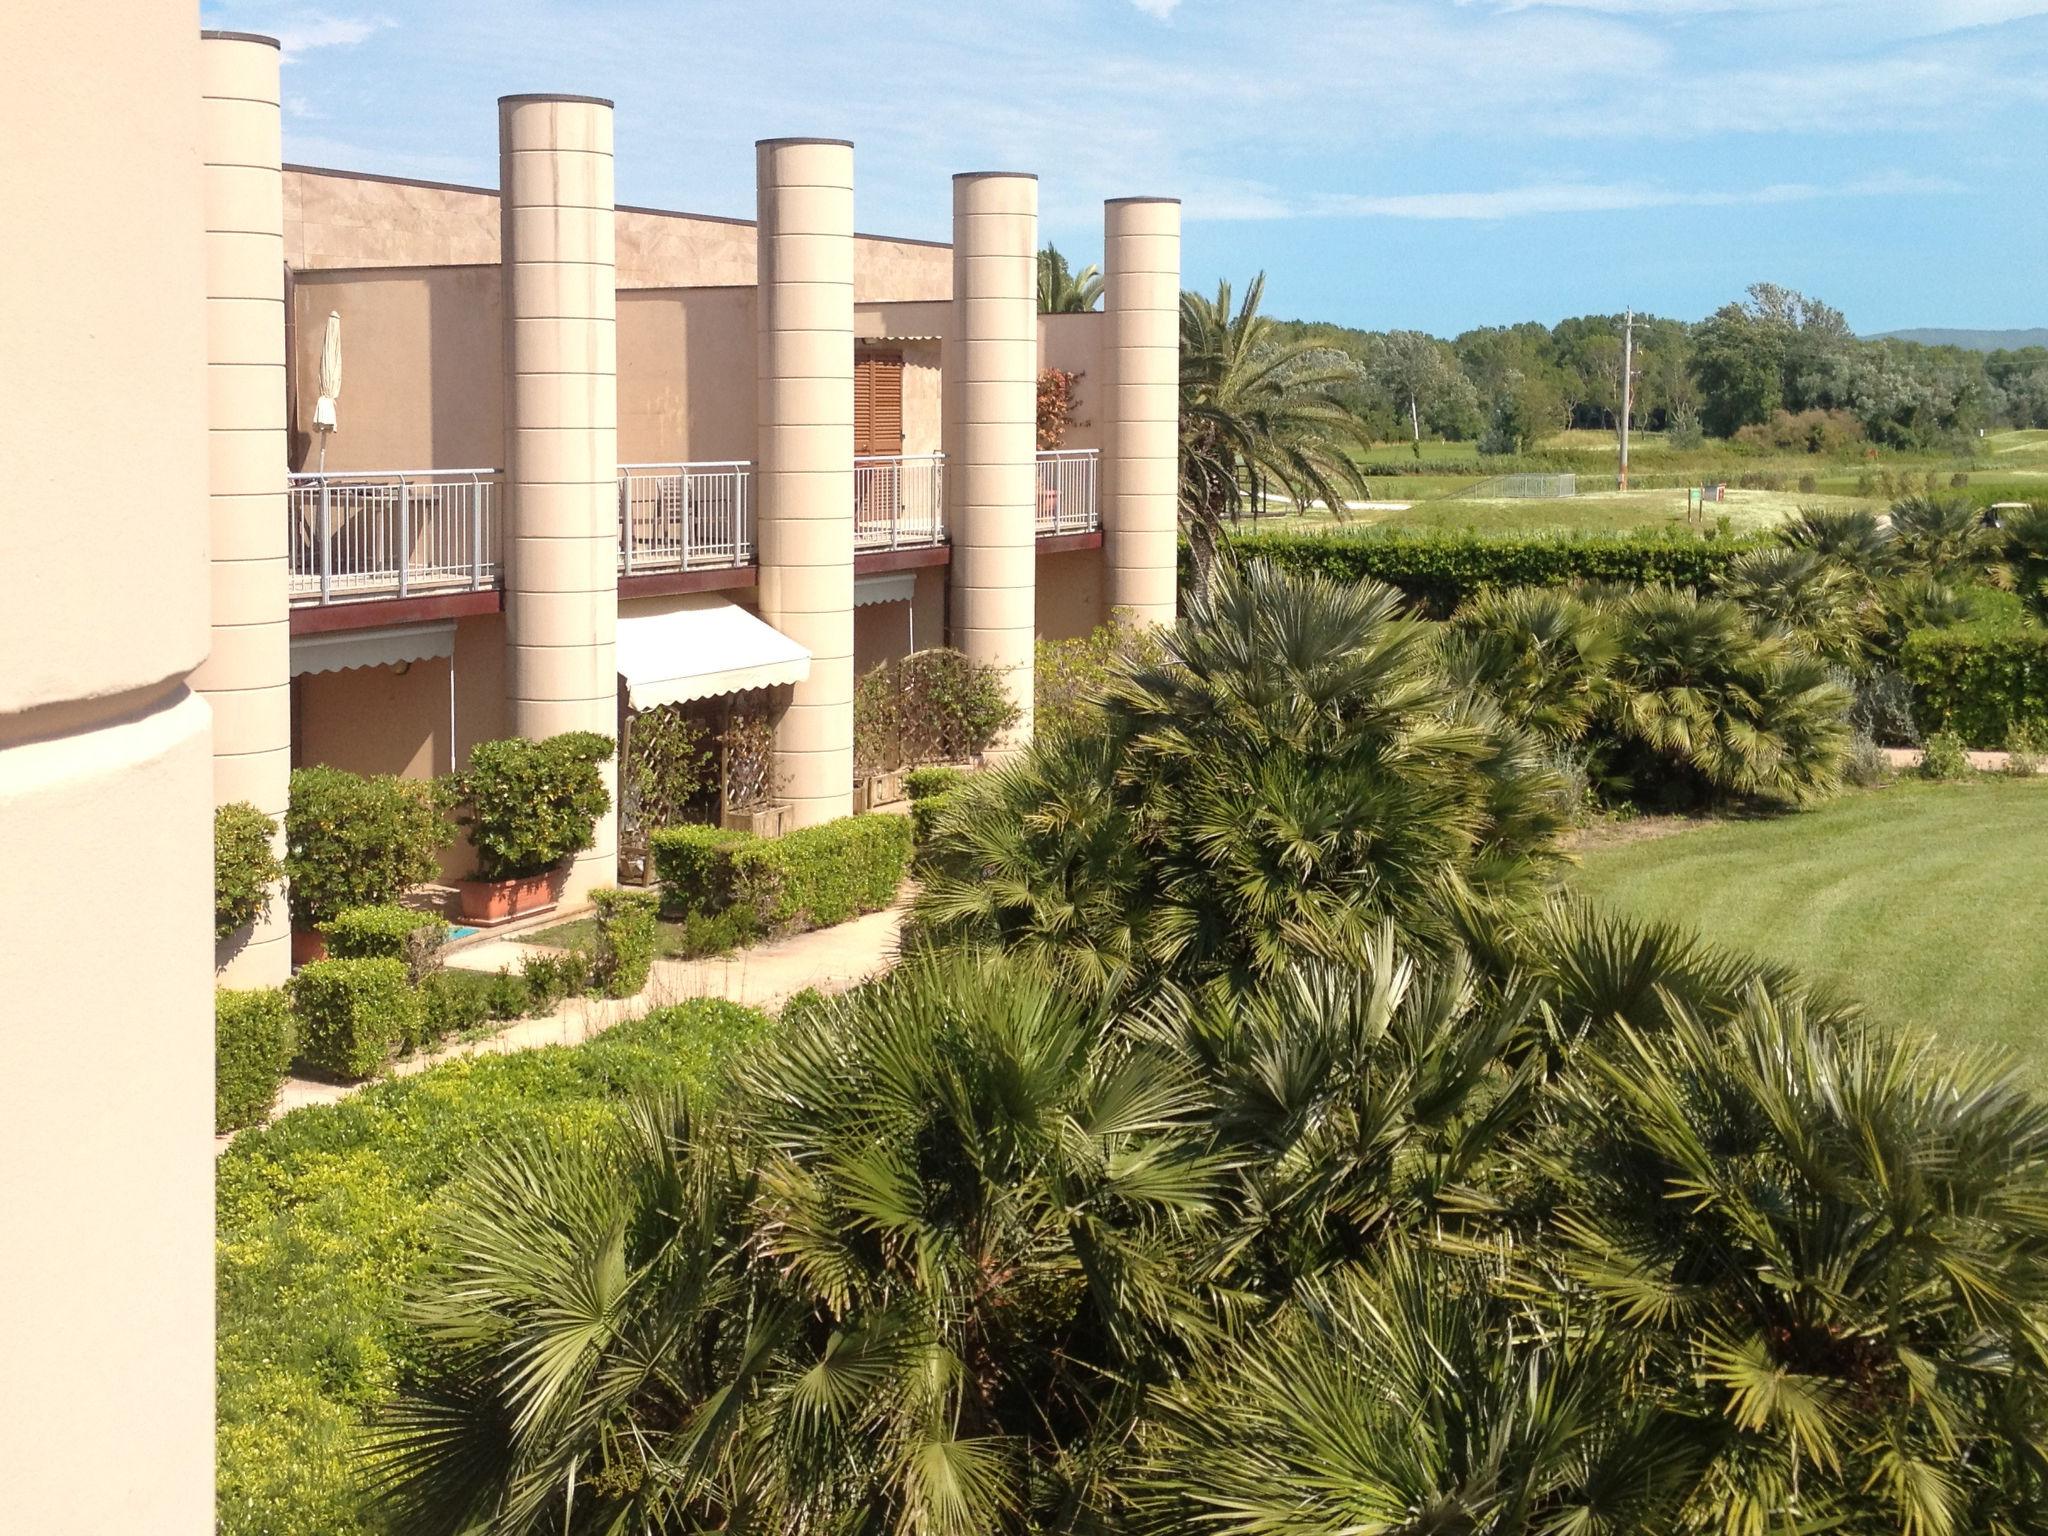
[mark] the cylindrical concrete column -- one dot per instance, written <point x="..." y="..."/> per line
<point x="991" y="426"/>
<point x="106" y="766"/>
<point x="804" y="415"/>
<point x="561" y="431"/>
<point x="1141" y="430"/>
<point x="246" y="679"/>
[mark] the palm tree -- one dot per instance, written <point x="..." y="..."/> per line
<point x="1816" y="603"/>
<point x="1853" y="537"/>
<point x="1061" y="292"/>
<point x="1540" y="653"/>
<point x="1292" y="768"/>
<point x="1943" y="536"/>
<point x="1260" y="416"/>
<point x="2026" y="548"/>
<point x="1719" y="707"/>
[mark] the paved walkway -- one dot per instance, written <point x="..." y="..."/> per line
<point x="1983" y="762"/>
<point x="764" y="976"/>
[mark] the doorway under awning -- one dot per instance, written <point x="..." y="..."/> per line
<point x="700" y="645"/>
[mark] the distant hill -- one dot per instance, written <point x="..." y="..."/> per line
<point x="1972" y="341"/>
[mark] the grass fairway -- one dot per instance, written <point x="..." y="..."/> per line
<point x="1927" y="901"/>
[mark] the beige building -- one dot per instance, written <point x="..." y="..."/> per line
<point x="588" y="459"/>
<point x="583" y="460"/>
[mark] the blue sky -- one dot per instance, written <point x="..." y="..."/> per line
<point x="1426" y="164"/>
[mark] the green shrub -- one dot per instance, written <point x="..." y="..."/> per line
<point x="357" y="841"/>
<point x="925" y="814"/>
<point x="1440" y="570"/>
<point x="932" y="706"/>
<point x="625" y="940"/>
<point x="1978" y="680"/>
<point x="507" y="996"/>
<point x="552" y="979"/>
<point x="388" y="933"/>
<point x="325" y="1221"/>
<point x="245" y="866"/>
<point x="811" y="878"/>
<point x="351" y="1013"/>
<point x="692" y="865"/>
<point x="529" y="805"/>
<point x="1945" y="757"/>
<point x="452" y="1002"/>
<point x="922" y="783"/>
<point x="252" y="1048"/>
<point x="1067" y="674"/>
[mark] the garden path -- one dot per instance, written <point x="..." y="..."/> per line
<point x="762" y="976"/>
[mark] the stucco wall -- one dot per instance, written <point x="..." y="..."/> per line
<point x="342" y="219"/>
<point x="686" y="374"/>
<point x="106" y="793"/>
<point x="1069" y="594"/>
<point x="422" y="367"/>
<point x="1074" y="343"/>
<point x="921" y="396"/>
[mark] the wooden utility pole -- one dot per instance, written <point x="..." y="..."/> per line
<point x="1628" y="388"/>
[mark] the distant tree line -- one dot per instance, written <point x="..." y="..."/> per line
<point x="1775" y="367"/>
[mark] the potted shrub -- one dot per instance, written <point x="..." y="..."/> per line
<point x="357" y="840"/>
<point x="529" y="806"/>
<point x="244" y="868"/>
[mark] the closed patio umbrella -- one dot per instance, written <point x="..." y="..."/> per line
<point x="330" y="382"/>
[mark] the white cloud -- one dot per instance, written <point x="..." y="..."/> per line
<point x="1605" y="197"/>
<point x="1159" y="8"/>
<point x="302" y="34"/>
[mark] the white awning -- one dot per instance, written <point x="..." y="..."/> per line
<point x="343" y="649"/>
<point x="699" y="645"/>
<point x="895" y="587"/>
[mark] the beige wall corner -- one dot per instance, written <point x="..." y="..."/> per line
<point x="1140" y="407"/>
<point x="561" y="432"/>
<point x="991" y="427"/>
<point x="246" y="679"/>
<point x="105" y="774"/>
<point x="804" y="388"/>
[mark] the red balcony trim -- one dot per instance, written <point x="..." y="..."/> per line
<point x="878" y="562"/>
<point x="376" y="612"/>
<point x="724" y="578"/>
<point x="1060" y="543"/>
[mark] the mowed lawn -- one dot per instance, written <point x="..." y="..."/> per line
<point x="1927" y="901"/>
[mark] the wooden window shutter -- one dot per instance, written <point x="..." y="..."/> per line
<point x="878" y="402"/>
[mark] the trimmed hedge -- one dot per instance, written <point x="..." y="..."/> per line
<point x="625" y="940"/>
<point x="351" y="1013"/>
<point x="252" y="1049"/>
<point x="388" y="932"/>
<point x="244" y="866"/>
<point x="923" y="783"/>
<point x="325" y="1221"/>
<point x="356" y="841"/>
<point x="1440" y="570"/>
<point x="811" y="878"/>
<point x="1978" y="680"/>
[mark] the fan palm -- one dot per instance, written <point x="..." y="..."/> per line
<point x="1063" y="292"/>
<point x="958" y="1240"/>
<point x="1541" y="654"/>
<point x="1943" y="536"/>
<point x="1831" y="1249"/>
<point x="1292" y="768"/>
<point x="1818" y="605"/>
<point x="1260" y="416"/>
<point x="1730" y="710"/>
<point x="2026" y="549"/>
<point x="1851" y="537"/>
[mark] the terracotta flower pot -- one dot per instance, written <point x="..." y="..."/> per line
<point x="499" y="901"/>
<point x="308" y="945"/>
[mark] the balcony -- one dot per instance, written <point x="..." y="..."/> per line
<point x="392" y="533"/>
<point x="1066" y="492"/>
<point x="685" y="517"/>
<point x="899" y="501"/>
<point x="364" y="535"/>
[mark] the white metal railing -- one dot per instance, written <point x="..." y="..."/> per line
<point x="1066" y="490"/>
<point x="685" y="517"/>
<point x="392" y="533"/>
<point x="899" y="501"/>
